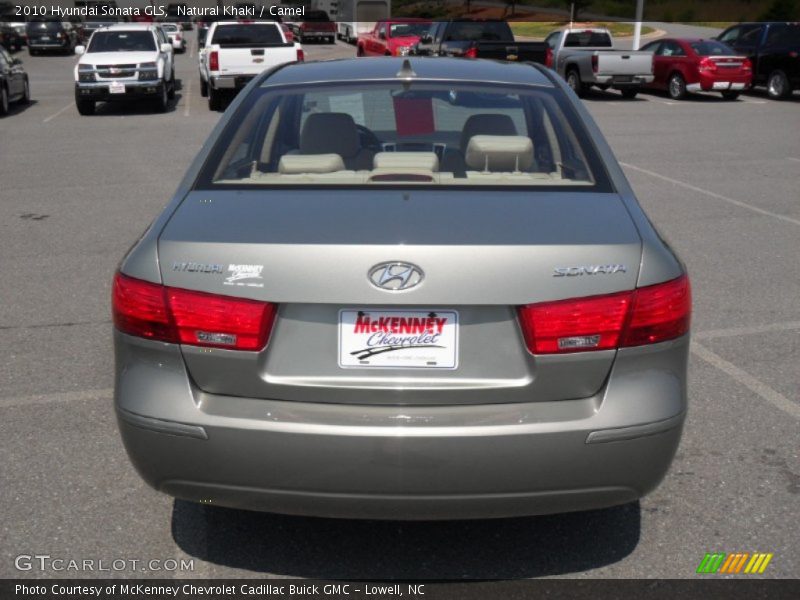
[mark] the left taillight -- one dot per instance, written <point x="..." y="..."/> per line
<point x="471" y="52"/>
<point x="175" y="315"/>
<point x="300" y="55"/>
<point x="647" y="315"/>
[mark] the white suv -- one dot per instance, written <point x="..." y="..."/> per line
<point x="125" y="61"/>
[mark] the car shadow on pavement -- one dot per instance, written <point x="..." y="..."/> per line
<point x="125" y="108"/>
<point x="598" y="95"/>
<point x="356" y="549"/>
<point x="16" y="108"/>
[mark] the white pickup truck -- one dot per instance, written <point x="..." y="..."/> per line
<point x="585" y="57"/>
<point x="235" y="52"/>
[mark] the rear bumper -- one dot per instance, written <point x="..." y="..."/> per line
<point x="720" y="84"/>
<point x="410" y="462"/>
<point x="133" y="89"/>
<point x="617" y="82"/>
<point x="230" y="82"/>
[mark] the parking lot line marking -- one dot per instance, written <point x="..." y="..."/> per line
<point x="95" y="394"/>
<point x="53" y="116"/>
<point x="793" y="158"/>
<point x="762" y="390"/>
<point x="713" y="334"/>
<point x="187" y="99"/>
<point x="700" y="190"/>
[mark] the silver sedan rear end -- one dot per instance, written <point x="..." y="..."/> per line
<point x="403" y="289"/>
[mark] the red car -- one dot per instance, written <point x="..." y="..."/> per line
<point x="694" y="65"/>
<point x="392" y="37"/>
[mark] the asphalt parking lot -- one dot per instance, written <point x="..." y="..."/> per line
<point x="719" y="179"/>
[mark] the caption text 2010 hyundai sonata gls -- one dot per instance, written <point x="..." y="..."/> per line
<point x="417" y="289"/>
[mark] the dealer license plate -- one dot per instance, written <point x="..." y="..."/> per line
<point x="116" y="87"/>
<point x="402" y="339"/>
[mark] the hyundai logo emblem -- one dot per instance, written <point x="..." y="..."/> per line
<point x="395" y="276"/>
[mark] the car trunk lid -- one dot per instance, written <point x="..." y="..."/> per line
<point x="481" y="257"/>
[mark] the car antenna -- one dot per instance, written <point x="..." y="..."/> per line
<point x="406" y="72"/>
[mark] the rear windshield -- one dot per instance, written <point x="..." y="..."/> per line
<point x="408" y="29"/>
<point x="783" y="35"/>
<point x="712" y="48"/>
<point x="44" y="26"/>
<point x="122" y="41"/>
<point x="476" y="31"/>
<point x="388" y="134"/>
<point x="588" y="39"/>
<point x="247" y="35"/>
<point x="169" y="27"/>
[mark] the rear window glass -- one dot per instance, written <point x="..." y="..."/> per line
<point x="390" y="134"/>
<point x="488" y="31"/>
<point x="409" y="29"/>
<point x="780" y="35"/>
<point x="122" y="41"/>
<point x="589" y="39"/>
<point x="44" y="26"/>
<point x="246" y="35"/>
<point x="170" y="28"/>
<point x="712" y="48"/>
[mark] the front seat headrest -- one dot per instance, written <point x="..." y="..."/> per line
<point x="486" y="124"/>
<point x="330" y="133"/>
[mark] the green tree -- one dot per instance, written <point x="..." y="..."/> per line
<point x="780" y="10"/>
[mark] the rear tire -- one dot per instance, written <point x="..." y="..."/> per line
<point x="3" y="101"/>
<point x="162" y="103"/>
<point x="203" y="88"/>
<point x="676" y="87"/>
<point x="574" y="82"/>
<point x="730" y="95"/>
<point x="778" y="87"/>
<point x="26" y="94"/>
<point x="85" y="107"/>
<point x="629" y="94"/>
<point x="214" y="99"/>
<point x="171" y="89"/>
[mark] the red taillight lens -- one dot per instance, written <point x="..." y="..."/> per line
<point x="176" y="315"/>
<point x="471" y="52"/>
<point x="747" y="65"/>
<point x="140" y="309"/>
<point x="707" y="65"/>
<point x="644" y="316"/>
<point x="213" y="61"/>
<point x="548" y="58"/>
<point x="659" y="312"/>
<point x="594" y="63"/>
<point x="300" y="56"/>
<point x="178" y="37"/>
<point x="574" y="325"/>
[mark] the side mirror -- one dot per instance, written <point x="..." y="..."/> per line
<point x="80" y="50"/>
<point x="382" y="35"/>
<point x="166" y="47"/>
<point x="16" y="61"/>
<point x="426" y="39"/>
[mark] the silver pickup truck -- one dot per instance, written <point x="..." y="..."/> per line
<point x="585" y="57"/>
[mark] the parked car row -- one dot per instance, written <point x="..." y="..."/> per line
<point x="743" y="56"/>
<point x="14" y="85"/>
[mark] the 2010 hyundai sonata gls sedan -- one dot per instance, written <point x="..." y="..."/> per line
<point x="415" y="289"/>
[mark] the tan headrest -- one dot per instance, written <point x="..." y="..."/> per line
<point x="499" y="153"/>
<point x="407" y="161"/>
<point x="310" y="163"/>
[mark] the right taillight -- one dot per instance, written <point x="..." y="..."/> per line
<point x="548" y="57"/>
<point x="180" y="316"/>
<point x="300" y="55"/>
<point x="595" y="60"/>
<point x="213" y="61"/>
<point x="659" y="312"/>
<point x="646" y="315"/>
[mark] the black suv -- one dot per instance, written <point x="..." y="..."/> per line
<point x="60" y="36"/>
<point x="774" y="50"/>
